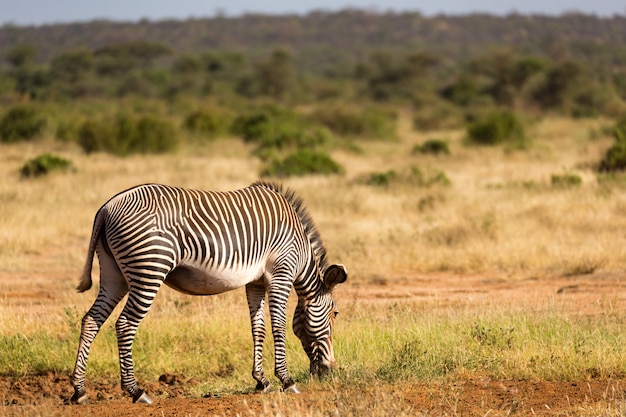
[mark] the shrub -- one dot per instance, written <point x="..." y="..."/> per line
<point x="432" y="147"/>
<point x="433" y="114"/>
<point x="615" y="157"/>
<point x="43" y="165"/>
<point x="21" y="123"/>
<point x="496" y="128"/>
<point x="303" y="162"/>
<point x="205" y="122"/>
<point x="152" y="136"/>
<point x="95" y="136"/>
<point x="274" y="129"/>
<point x="266" y="124"/>
<point x="67" y="130"/>
<point x="126" y="135"/>
<point x="418" y="178"/>
<point x="365" y="123"/>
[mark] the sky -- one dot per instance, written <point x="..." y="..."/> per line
<point x="38" y="12"/>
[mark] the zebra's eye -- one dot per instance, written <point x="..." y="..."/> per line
<point x="335" y="312"/>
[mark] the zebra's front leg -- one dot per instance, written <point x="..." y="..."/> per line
<point x="278" y="295"/>
<point x="255" y="294"/>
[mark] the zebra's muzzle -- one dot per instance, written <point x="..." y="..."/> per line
<point x="320" y="367"/>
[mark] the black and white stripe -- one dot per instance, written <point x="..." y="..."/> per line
<point x="203" y="243"/>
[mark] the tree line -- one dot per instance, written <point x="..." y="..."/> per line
<point x="500" y="76"/>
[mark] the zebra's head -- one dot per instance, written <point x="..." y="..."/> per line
<point x="314" y="319"/>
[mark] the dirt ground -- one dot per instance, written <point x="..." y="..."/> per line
<point x="586" y="294"/>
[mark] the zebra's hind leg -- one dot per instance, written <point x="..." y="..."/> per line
<point x="113" y="287"/>
<point x="255" y="295"/>
<point x="140" y="298"/>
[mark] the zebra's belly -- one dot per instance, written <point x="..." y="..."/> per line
<point x="194" y="280"/>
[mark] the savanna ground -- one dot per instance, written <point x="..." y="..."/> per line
<point x="500" y="293"/>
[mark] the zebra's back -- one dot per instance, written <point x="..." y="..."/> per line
<point x="210" y="241"/>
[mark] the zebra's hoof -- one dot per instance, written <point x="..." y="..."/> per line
<point x="79" y="398"/>
<point x="142" y="398"/>
<point x="292" y="389"/>
<point x="263" y="388"/>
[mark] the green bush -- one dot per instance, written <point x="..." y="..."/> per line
<point x="21" y="123"/>
<point x="365" y="123"/>
<point x="205" y="122"/>
<point x="95" y="136"/>
<point x="615" y="157"/>
<point x="274" y="129"/>
<point x="125" y="135"/>
<point x="266" y="124"/>
<point x="432" y="147"/>
<point x="497" y="127"/>
<point x="43" y="165"/>
<point x="303" y="162"/>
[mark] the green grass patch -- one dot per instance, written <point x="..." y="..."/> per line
<point x="210" y="342"/>
<point x="405" y="346"/>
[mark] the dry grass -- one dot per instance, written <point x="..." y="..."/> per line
<point x="499" y="214"/>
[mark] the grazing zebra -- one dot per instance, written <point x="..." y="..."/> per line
<point x="204" y="243"/>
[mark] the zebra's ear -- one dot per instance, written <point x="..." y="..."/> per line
<point x="335" y="274"/>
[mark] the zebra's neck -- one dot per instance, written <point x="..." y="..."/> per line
<point x="309" y="285"/>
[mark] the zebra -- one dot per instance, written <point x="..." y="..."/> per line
<point x="205" y="243"/>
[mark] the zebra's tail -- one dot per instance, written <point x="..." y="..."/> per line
<point x="85" y="278"/>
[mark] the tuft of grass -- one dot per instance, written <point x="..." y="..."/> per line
<point x="381" y="179"/>
<point x="414" y="177"/>
<point x="566" y="180"/>
<point x="432" y="147"/>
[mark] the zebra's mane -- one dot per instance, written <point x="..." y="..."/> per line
<point x="305" y="218"/>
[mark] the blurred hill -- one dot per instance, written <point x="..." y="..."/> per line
<point x="322" y="40"/>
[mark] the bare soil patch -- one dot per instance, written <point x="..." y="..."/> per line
<point x="47" y="395"/>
